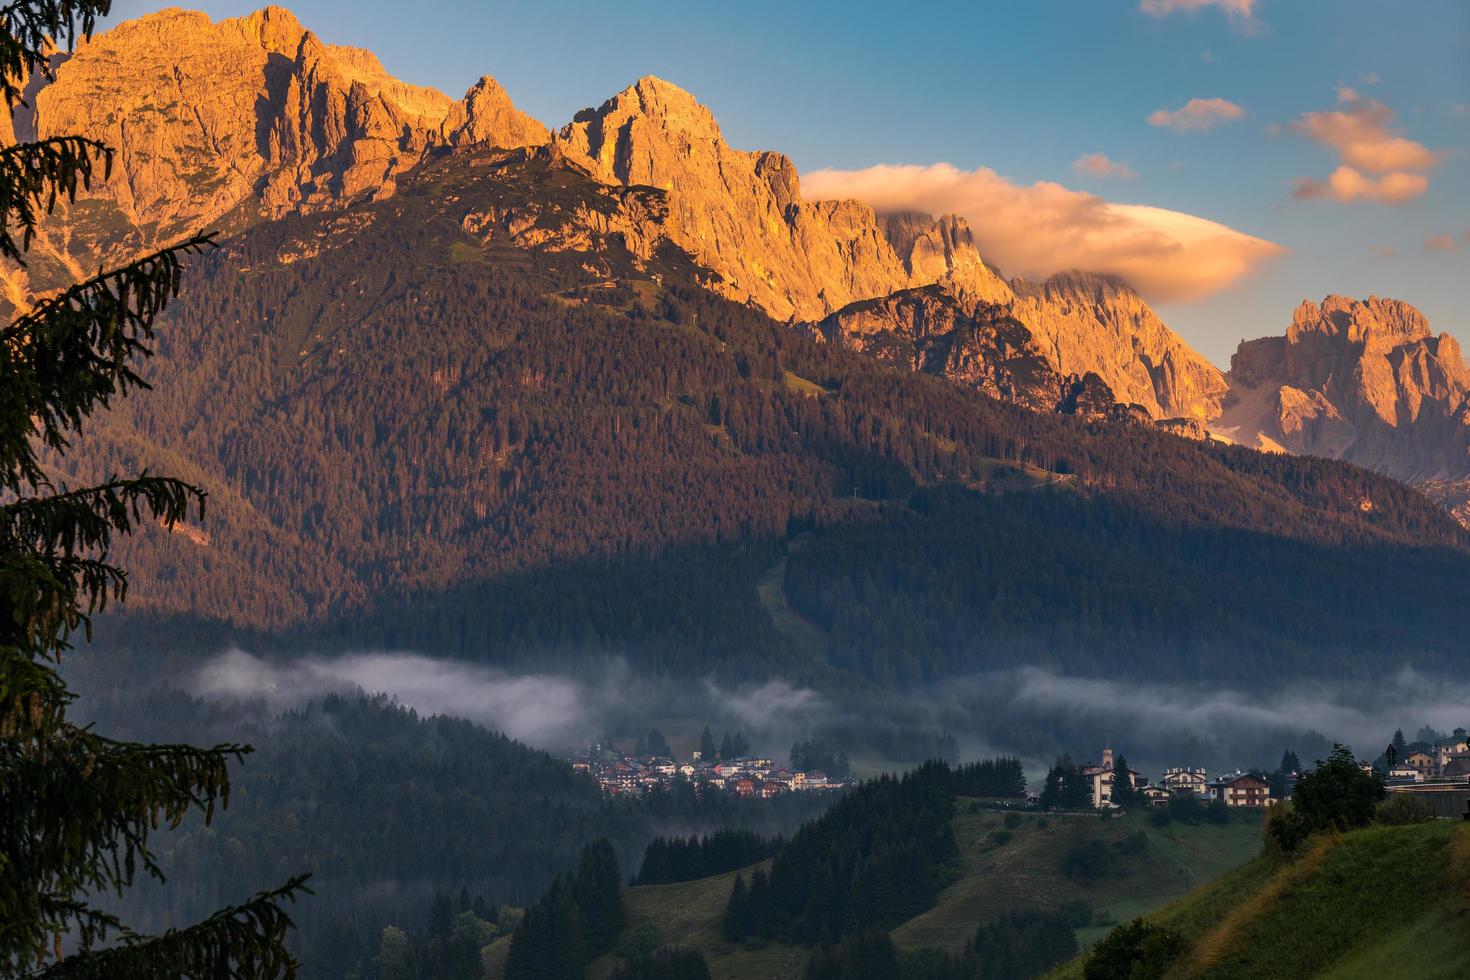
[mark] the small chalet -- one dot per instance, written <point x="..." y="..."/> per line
<point x="1186" y="781"/>
<point x="1457" y="768"/>
<point x="1447" y="748"/>
<point x="1242" y="789"/>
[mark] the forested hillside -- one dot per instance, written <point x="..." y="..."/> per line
<point x="415" y="436"/>
<point x="386" y="809"/>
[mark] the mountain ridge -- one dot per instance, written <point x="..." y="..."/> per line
<point x="251" y="119"/>
<point x="246" y="119"/>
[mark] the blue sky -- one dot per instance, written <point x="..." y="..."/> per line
<point x="1026" y="88"/>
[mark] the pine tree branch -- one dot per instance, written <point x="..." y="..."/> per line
<point x="86" y="518"/>
<point x="29" y="29"/>
<point x="80" y="809"/>
<point x="246" y="941"/>
<point x="73" y="353"/>
<point x="34" y="176"/>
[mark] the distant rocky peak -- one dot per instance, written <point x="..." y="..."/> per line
<point x="942" y="250"/>
<point x="1362" y="380"/>
<point x="486" y="114"/>
<point x="1375" y="322"/>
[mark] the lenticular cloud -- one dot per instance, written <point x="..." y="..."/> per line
<point x="1044" y="228"/>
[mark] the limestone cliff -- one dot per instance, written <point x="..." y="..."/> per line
<point x="741" y="213"/>
<point x="219" y="124"/>
<point x="1362" y="380"/>
<point x="1089" y="323"/>
<point x="927" y="329"/>
<point x="241" y="118"/>
<point x="980" y="345"/>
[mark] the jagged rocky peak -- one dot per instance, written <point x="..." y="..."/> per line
<point x="1363" y="380"/>
<point x="741" y="213"/>
<point x="928" y="329"/>
<point x="253" y="113"/>
<point x="1100" y="324"/>
<point x="1373" y="322"/>
<point x="943" y="250"/>
<point x="486" y="114"/>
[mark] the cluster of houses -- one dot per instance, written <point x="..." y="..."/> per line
<point x="1237" y="789"/>
<point x="619" y="773"/>
<point x="1442" y="763"/>
<point x="1444" y="760"/>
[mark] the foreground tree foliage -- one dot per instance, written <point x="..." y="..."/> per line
<point x="78" y="807"/>
<point x="1137" y="951"/>
<point x="1337" y="795"/>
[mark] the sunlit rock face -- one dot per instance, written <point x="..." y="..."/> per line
<point x="1363" y="380"/>
<point x="221" y="122"/>
<point x="1098" y="324"/>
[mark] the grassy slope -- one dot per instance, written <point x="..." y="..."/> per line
<point x="1022" y="873"/>
<point x="689" y="914"/>
<point x="1379" y="903"/>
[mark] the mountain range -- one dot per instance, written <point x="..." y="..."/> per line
<point x="457" y="377"/>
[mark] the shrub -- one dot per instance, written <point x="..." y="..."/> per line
<point x="669" y="963"/>
<point x="643" y="941"/>
<point x="1001" y="838"/>
<point x="1086" y="861"/>
<point x="1136" y="951"/>
<point x="1077" y="913"/>
<point x="1159" y="817"/>
<point x="1400" y="809"/>
<point x="1337" y="794"/>
<point x="1012" y="821"/>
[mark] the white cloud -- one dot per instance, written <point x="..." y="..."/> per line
<point x="1197" y="115"/>
<point x="1241" y="13"/>
<point x="1100" y="165"/>
<point x="1346" y="185"/>
<point x="1044" y="228"/>
<point x="1363" y="135"/>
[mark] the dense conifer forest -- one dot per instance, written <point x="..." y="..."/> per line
<point x="878" y="857"/>
<point x="388" y="808"/>
<point x="412" y="439"/>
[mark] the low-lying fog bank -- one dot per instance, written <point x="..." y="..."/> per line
<point x="1032" y="713"/>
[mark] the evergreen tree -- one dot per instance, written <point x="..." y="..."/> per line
<point x="707" y="744"/>
<point x="548" y="943"/>
<point x="599" y="897"/>
<point x="737" y="910"/>
<point x="654" y="743"/>
<point x="441" y="914"/>
<point x="867" y="955"/>
<point x="79" y="807"/>
<point x="1400" y="744"/>
<point x="1124" y="794"/>
<point x="727" y="748"/>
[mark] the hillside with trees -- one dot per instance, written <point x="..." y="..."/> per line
<point x="414" y="437"/>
